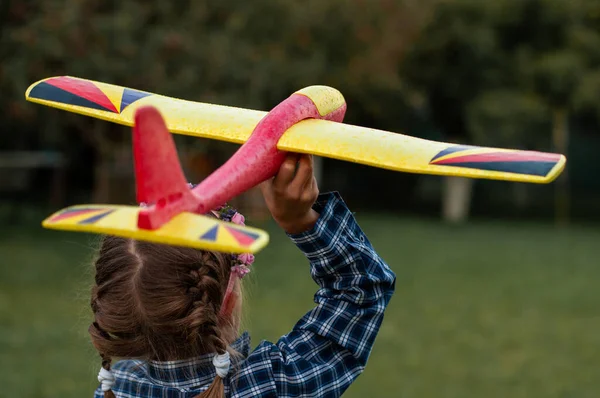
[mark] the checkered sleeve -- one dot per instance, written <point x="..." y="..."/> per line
<point x="330" y="345"/>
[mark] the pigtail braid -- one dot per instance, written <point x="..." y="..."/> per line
<point x="96" y="332"/>
<point x="107" y="344"/>
<point x="106" y="365"/>
<point x="206" y="292"/>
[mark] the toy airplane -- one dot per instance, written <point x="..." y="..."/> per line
<point x="309" y="121"/>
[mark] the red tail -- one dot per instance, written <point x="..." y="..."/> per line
<point x="159" y="177"/>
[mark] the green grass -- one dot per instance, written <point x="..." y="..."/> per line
<point x="488" y="310"/>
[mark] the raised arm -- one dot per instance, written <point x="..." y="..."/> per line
<point x="329" y="347"/>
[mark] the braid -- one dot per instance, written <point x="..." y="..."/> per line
<point x="206" y="295"/>
<point x="106" y="365"/>
<point x="96" y="331"/>
<point x="108" y="344"/>
<point x="98" y="334"/>
<point x="206" y="292"/>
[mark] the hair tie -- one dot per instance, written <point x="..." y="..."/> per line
<point x="221" y="363"/>
<point x="107" y="379"/>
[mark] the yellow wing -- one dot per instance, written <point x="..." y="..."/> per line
<point x="185" y="229"/>
<point x="346" y="142"/>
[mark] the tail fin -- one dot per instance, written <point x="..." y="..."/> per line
<point x="158" y="172"/>
<point x="159" y="177"/>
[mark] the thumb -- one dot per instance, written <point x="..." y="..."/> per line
<point x="266" y="187"/>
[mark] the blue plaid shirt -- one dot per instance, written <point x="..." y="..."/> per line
<point x="324" y="352"/>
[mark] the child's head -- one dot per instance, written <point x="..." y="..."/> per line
<point x="159" y="302"/>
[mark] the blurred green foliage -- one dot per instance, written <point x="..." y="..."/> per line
<point x="386" y="56"/>
<point x="229" y="52"/>
<point x="504" y="73"/>
<point x="495" y="71"/>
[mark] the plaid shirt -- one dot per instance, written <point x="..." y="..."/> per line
<point x="324" y="352"/>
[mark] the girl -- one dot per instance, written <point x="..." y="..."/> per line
<point x="173" y="313"/>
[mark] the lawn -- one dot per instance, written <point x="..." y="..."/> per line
<point x="489" y="310"/>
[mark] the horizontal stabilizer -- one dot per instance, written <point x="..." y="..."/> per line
<point x="185" y="229"/>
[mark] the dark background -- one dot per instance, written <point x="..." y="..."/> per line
<point x="515" y="74"/>
<point x="497" y="291"/>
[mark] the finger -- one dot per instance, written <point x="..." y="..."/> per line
<point x="266" y="187"/>
<point x="311" y="193"/>
<point x="286" y="172"/>
<point x="311" y="177"/>
<point x="303" y="176"/>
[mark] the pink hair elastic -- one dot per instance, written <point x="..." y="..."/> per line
<point x="241" y="262"/>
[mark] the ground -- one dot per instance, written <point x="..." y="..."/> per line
<point x="489" y="310"/>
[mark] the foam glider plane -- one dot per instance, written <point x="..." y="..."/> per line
<point x="309" y="121"/>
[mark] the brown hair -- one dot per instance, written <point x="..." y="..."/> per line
<point x="159" y="302"/>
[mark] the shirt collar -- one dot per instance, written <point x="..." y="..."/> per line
<point x="194" y="372"/>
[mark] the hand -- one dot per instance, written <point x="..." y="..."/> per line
<point x="291" y="194"/>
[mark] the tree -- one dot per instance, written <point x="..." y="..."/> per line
<point x="454" y="59"/>
<point x="496" y="72"/>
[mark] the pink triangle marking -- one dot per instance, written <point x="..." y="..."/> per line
<point x="502" y="157"/>
<point x="72" y="213"/>
<point x="241" y="237"/>
<point x="84" y="89"/>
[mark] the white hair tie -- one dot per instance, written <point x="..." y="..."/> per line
<point x="107" y="379"/>
<point x="221" y="363"/>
